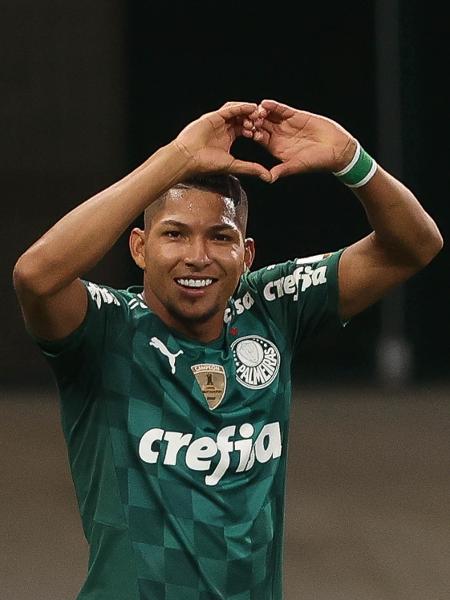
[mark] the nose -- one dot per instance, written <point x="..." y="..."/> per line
<point x="197" y="255"/>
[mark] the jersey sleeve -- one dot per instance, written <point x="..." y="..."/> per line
<point x="301" y="295"/>
<point x="82" y="348"/>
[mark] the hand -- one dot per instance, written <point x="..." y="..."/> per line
<point x="207" y="141"/>
<point x="303" y="141"/>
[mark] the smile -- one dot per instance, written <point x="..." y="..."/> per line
<point x="195" y="283"/>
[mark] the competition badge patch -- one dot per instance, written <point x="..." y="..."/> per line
<point x="257" y="361"/>
<point x="212" y="381"/>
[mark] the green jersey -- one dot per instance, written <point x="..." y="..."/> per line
<point x="178" y="449"/>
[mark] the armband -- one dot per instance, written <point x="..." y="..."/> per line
<point x="359" y="170"/>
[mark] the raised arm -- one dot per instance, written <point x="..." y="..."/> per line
<point x="46" y="277"/>
<point x="404" y="238"/>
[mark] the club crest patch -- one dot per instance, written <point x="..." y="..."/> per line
<point x="257" y="361"/>
<point x="212" y="381"/>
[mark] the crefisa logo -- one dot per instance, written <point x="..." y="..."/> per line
<point x="257" y="361"/>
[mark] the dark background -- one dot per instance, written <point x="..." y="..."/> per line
<point x="89" y="90"/>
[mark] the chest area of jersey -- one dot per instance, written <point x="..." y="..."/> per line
<point x="244" y="368"/>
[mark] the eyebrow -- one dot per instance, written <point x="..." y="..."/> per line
<point x="219" y="226"/>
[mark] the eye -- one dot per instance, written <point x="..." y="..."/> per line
<point x="172" y="233"/>
<point x="222" y="237"/>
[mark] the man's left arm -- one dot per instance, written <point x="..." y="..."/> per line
<point x="403" y="241"/>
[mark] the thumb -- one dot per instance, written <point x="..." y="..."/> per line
<point x="278" y="171"/>
<point x="244" y="167"/>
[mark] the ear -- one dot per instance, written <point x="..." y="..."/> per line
<point x="137" y="246"/>
<point x="249" y="253"/>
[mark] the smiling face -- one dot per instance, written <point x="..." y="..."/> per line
<point x="193" y="253"/>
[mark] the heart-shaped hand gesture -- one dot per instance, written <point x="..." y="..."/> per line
<point x="301" y="140"/>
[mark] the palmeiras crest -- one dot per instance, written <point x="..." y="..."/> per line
<point x="212" y="381"/>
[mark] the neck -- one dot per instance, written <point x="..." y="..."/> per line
<point x="199" y="331"/>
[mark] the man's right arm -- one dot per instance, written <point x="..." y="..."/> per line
<point x="47" y="276"/>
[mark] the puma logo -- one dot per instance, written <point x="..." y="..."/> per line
<point x="157" y="343"/>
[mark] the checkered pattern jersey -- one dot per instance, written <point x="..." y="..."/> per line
<point x="178" y="500"/>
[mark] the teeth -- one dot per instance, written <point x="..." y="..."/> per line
<point x="195" y="283"/>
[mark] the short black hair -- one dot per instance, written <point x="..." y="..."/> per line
<point x="224" y="184"/>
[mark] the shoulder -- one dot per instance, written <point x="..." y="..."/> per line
<point x="104" y="295"/>
<point x="292" y="277"/>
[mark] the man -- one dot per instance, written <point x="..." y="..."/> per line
<point x="175" y="395"/>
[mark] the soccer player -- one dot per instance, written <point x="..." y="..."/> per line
<point x="175" y="394"/>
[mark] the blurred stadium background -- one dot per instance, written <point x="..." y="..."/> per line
<point x="88" y="91"/>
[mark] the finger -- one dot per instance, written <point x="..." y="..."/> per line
<point x="249" y="128"/>
<point x="277" y="107"/>
<point x="234" y="109"/>
<point x="248" y="133"/>
<point x="258" y="122"/>
<point x="245" y="131"/>
<point x="218" y="120"/>
<point x="278" y="112"/>
<point x="258" y="136"/>
<point x="235" y="103"/>
<point x="262" y="112"/>
<point x="262" y="137"/>
<point x="254" y="115"/>
<point x="243" y="167"/>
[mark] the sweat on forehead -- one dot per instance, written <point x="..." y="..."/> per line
<point x="188" y="198"/>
